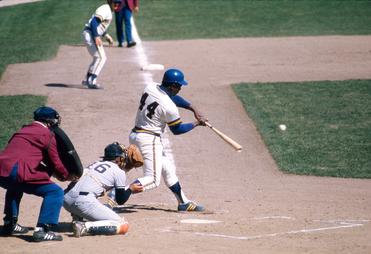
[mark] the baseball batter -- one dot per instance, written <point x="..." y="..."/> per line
<point x="94" y="30"/>
<point x="159" y="107"/>
<point x="81" y="200"/>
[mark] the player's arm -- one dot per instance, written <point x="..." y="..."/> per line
<point x="94" y="23"/>
<point x="177" y="127"/>
<point x="180" y="102"/>
<point x="122" y="194"/>
<point x="136" y="5"/>
<point x="183" y="103"/>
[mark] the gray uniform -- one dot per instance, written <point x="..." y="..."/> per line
<point x="98" y="178"/>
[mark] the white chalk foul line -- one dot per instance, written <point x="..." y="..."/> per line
<point x="274" y="217"/>
<point x="342" y="224"/>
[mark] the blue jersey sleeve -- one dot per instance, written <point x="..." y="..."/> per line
<point x="181" y="128"/>
<point x="94" y="23"/>
<point x="180" y="101"/>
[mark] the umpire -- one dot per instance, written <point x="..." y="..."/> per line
<point x="26" y="166"/>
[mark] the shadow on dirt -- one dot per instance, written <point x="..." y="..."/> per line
<point x="61" y="85"/>
<point x="133" y="208"/>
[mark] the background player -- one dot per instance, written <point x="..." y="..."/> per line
<point x="124" y="15"/>
<point x="101" y="176"/>
<point x="158" y="108"/>
<point x="93" y="31"/>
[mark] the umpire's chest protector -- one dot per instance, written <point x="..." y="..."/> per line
<point x="67" y="152"/>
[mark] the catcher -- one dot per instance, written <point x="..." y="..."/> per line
<point x="81" y="197"/>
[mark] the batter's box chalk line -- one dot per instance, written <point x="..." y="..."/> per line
<point x="334" y="225"/>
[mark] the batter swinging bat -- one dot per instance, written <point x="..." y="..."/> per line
<point x="227" y="139"/>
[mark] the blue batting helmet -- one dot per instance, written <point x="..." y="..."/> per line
<point x="174" y="76"/>
<point x="46" y="115"/>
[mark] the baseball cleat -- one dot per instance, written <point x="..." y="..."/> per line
<point x="94" y="86"/>
<point x="131" y="44"/>
<point x="190" y="207"/>
<point x="40" y="236"/>
<point x="79" y="229"/>
<point x="84" y="83"/>
<point x="10" y="229"/>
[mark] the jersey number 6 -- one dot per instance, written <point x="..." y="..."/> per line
<point x="150" y="108"/>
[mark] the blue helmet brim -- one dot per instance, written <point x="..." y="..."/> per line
<point x="184" y="83"/>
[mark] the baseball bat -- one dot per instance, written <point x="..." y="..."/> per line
<point x="227" y="139"/>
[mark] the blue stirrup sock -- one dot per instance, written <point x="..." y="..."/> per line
<point x="177" y="190"/>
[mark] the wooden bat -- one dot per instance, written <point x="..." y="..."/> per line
<point x="227" y="139"/>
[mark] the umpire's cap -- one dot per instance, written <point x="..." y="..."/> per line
<point x="174" y="76"/>
<point x="46" y="115"/>
<point x="112" y="151"/>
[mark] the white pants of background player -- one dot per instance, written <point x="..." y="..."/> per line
<point x="90" y="208"/>
<point x="156" y="163"/>
<point x="99" y="56"/>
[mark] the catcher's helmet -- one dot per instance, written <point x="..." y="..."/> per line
<point x="112" y="151"/>
<point x="174" y="76"/>
<point x="47" y="115"/>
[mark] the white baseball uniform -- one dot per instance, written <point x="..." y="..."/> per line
<point x="98" y="178"/>
<point x="156" y="110"/>
<point x="104" y="14"/>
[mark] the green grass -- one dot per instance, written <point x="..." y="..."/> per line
<point x="16" y="111"/>
<point x="328" y="125"/>
<point x="33" y="32"/>
<point x="179" y="19"/>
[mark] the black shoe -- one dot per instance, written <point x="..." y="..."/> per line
<point x="120" y="45"/>
<point x="9" y="230"/>
<point x="131" y="44"/>
<point x="40" y="236"/>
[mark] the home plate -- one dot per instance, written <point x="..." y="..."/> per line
<point x="198" y="221"/>
<point x="152" y="67"/>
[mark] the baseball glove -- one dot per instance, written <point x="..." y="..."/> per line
<point x="134" y="158"/>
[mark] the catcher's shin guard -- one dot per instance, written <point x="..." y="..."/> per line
<point x="102" y="230"/>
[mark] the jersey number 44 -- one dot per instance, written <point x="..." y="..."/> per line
<point x="150" y="107"/>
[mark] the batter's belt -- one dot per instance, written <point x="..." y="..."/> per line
<point x="141" y="130"/>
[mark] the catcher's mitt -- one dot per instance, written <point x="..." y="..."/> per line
<point x="134" y="158"/>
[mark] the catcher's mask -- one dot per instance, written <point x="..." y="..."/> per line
<point x="114" y="150"/>
<point x="174" y="76"/>
<point x="47" y="115"/>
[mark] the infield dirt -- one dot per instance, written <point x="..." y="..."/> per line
<point x="258" y="208"/>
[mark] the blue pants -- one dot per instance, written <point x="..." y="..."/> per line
<point x="123" y="16"/>
<point x="51" y="193"/>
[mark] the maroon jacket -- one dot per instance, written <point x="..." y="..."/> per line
<point x="130" y="3"/>
<point x="28" y="147"/>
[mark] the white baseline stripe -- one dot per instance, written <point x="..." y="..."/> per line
<point x="301" y="231"/>
<point x="274" y="217"/>
<point x="281" y="233"/>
